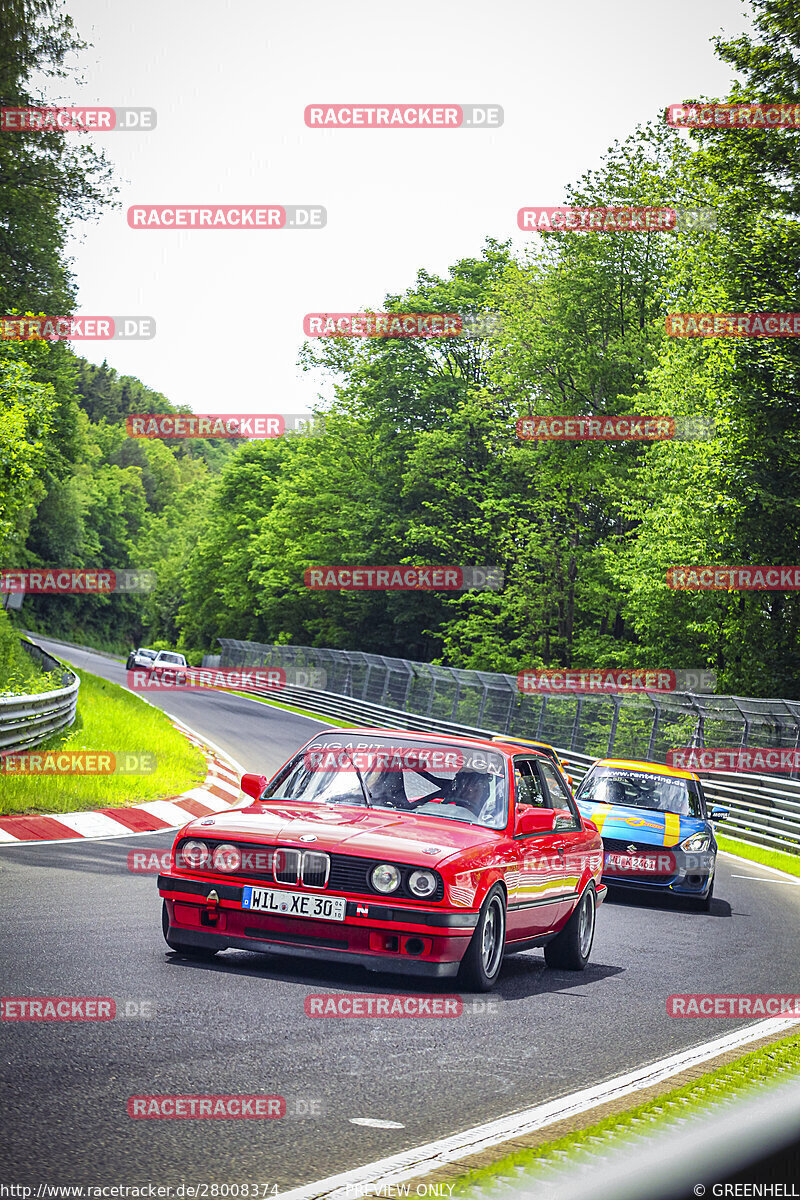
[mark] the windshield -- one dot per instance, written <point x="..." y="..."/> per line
<point x="437" y="779"/>
<point x="171" y="658"/>
<point x="147" y="653"/>
<point x="639" y="789"/>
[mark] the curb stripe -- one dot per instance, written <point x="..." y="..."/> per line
<point x="134" y="819"/>
<point x="36" y="828"/>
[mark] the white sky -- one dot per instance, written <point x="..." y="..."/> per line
<point x="230" y="80"/>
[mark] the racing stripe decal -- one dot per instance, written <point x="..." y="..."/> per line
<point x="672" y="829"/>
<point x="599" y="815"/>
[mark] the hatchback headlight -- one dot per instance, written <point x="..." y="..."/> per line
<point x="422" y="883"/>
<point x="385" y="878"/>
<point x="194" y="855"/>
<point x="696" y="842"/>
<point x="226" y="858"/>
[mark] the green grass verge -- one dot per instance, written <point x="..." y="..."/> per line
<point x="109" y="719"/>
<point x="790" y="863"/>
<point x="756" y="1069"/>
<point x="301" y="712"/>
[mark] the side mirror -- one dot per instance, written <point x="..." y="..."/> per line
<point x="253" y="785"/>
<point x="720" y="814"/>
<point x="529" y="820"/>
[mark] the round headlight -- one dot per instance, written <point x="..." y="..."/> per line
<point x="226" y="858"/>
<point x="422" y="883"/>
<point x="195" y="855"/>
<point x="385" y="878"/>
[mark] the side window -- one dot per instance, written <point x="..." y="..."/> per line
<point x="527" y="785"/>
<point x="559" y="798"/>
<point x="697" y="801"/>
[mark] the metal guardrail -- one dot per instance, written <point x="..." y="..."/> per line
<point x="28" y="720"/>
<point x="375" y="690"/>
<point x="728" y="1151"/>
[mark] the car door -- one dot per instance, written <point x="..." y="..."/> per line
<point x="570" y="840"/>
<point x="536" y="896"/>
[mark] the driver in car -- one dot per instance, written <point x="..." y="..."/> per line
<point x="473" y="790"/>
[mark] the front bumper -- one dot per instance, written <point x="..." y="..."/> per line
<point x="380" y="937"/>
<point x="692" y="875"/>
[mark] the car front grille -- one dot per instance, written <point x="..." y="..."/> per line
<point x="621" y="847"/>
<point x="345" y="872"/>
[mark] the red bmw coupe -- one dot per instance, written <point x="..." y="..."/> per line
<point x="417" y="853"/>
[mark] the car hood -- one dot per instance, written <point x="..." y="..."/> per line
<point x="641" y="825"/>
<point x="420" y="840"/>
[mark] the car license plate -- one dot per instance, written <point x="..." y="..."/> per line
<point x="294" y="904"/>
<point x="632" y="864"/>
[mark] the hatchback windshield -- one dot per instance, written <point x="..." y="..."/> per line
<point x="640" y="789"/>
<point x="437" y="779"/>
<point x="171" y="658"/>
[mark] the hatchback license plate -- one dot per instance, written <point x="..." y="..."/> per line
<point x="294" y="904"/>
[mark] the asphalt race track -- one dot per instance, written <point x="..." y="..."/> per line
<point x="77" y="922"/>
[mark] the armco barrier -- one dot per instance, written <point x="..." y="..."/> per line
<point x="28" y="720"/>
<point x="742" y="1147"/>
<point x="374" y="690"/>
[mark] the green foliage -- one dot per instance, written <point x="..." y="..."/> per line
<point x="420" y="462"/>
<point x="19" y="673"/>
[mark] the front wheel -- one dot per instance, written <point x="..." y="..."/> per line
<point x="204" y="953"/>
<point x="570" y="949"/>
<point x="703" y="903"/>
<point x="480" y="966"/>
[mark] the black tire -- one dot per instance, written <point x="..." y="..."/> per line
<point x="570" y="949"/>
<point x="129" y="665"/>
<point x="481" y="965"/>
<point x="703" y="903"/>
<point x="204" y="953"/>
